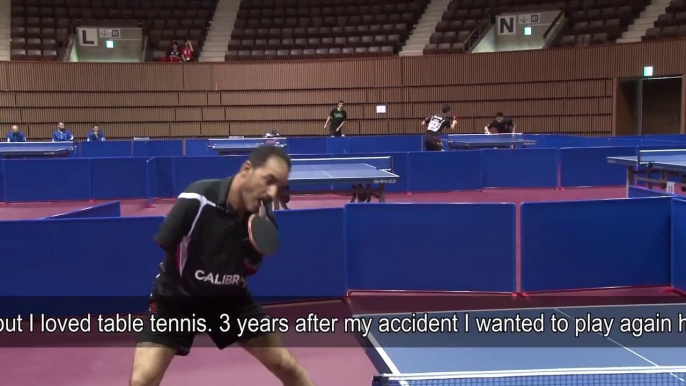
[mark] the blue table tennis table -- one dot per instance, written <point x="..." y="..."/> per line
<point x="365" y="176"/>
<point x="235" y="146"/>
<point x="668" y="164"/>
<point x="449" y="358"/>
<point x="481" y="141"/>
<point x="36" y="149"/>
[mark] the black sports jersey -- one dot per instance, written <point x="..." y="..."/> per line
<point x="502" y="127"/>
<point x="437" y="123"/>
<point x="208" y="252"/>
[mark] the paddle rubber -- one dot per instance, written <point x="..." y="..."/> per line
<point x="263" y="235"/>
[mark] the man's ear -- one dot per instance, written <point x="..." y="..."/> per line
<point x="247" y="166"/>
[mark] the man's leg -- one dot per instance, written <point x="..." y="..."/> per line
<point x="269" y="350"/>
<point x="156" y="349"/>
<point x="266" y="348"/>
<point x="150" y="361"/>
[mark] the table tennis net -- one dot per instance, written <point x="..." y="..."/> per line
<point x="661" y="155"/>
<point x="494" y="135"/>
<point x="625" y="376"/>
<point x="381" y="163"/>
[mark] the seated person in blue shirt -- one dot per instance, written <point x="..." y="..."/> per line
<point x="62" y="134"/>
<point x="15" y="135"/>
<point x="95" y="134"/>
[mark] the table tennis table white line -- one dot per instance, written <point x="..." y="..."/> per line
<point x="395" y="371"/>
<point x="613" y="341"/>
<point x="519" y="309"/>
<point x="545" y="372"/>
<point x="385" y="357"/>
<point x="486" y="135"/>
<point x="662" y="151"/>
<point x="342" y="166"/>
<point x="388" y="175"/>
<point x="294" y="160"/>
<point x="623" y="346"/>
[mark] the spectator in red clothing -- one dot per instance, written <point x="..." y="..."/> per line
<point x="188" y="52"/>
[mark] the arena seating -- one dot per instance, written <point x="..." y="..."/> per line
<point x="599" y="21"/>
<point x="462" y="24"/>
<point x="589" y="21"/>
<point x="41" y="28"/>
<point x="305" y="29"/>
<point x="671" y="24"/>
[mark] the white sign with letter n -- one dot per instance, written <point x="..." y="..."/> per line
<point x="506" y="24"/>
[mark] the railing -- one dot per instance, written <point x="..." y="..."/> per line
<point x="549" y="37"/>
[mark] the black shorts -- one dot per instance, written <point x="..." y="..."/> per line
<point x="433" y="143"/>
<point x="178" y="322"/>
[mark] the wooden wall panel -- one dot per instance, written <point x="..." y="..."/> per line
<point x="581" y="106"/>
<point x="286" y="128"/>
<point x="666" y="58"/>
<point x="102" y="99"/>
<point x="279" y="113"/>
<point x="539" y="90"/>
<point x="7" y="99"/>
<point x="531" y="66"/>
<point x="192" y="99"/>
<point x="576" y="124"/>
<point x="114" y="130"/>
<point x="381" y="72"/>
<point x="601" y="123"/>
<point x="499" y="67"/>
<point x="214" y="99"/>
<point x="184" y="129"/>
<point x="404" y="126"/>
<point x="587" y="88"/>
<point x="605" y="106"/>
<point x="215" y="129"/>
<point x="8" y="115"/>
<point x="198" y="77"/>
<point x="4" y="66"/>
<point x="610" y="87"/>
<point x="535" y="124"/>
<point x="385" y="95"/>
<point x="367" y="127"/>
<point x="393" y="111"/>
<point x="213" y="114"/>
<point x="296" y="97"/>
<point x="66" y="76"/>
<point x="570" y="89"/>
<point x="434" y="94"/>
<point x="592" y="62"/>
<point x="189" y="114"/>
<point x="93" y="115"/>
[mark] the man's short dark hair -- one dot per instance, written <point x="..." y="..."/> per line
<point x="262" y="154"/>
<point x="340" y="101"/>
<point x="446" y="108"/>
<point x="499" y="114"/>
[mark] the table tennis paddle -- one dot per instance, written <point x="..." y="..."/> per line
<point x="262" y="233"/>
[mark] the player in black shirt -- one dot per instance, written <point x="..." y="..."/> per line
<point x="337" y="117"/>
<point x="203" y="277"/>
<point x="437" y="123"/>
<point x="500" y="125"/>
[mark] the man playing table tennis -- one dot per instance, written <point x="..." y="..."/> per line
<point x="500" y="125"/>
<point x="204" y="272"/>
<point x="437" y="123"/>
